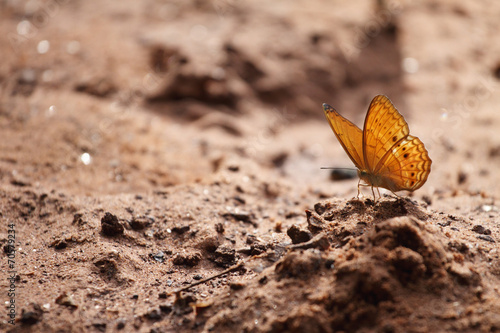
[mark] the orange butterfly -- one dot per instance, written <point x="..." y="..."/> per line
<point x="385" y="153"/>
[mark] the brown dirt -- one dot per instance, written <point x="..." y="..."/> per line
<point x="147" y="145"/>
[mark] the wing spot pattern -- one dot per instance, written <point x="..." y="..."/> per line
<point x="405" y="167"/>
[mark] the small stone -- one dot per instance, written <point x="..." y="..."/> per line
<point x="59" y="244"/>
<point x="481" y="230"/>
<point x="182" y="229"/>
<point x="240" y="216"/>
<point x="461" y="177"/>
<point x="101" y="327"/>
<point x="237" y="285"/>
<point x="8" y="248"/>
<point x="166" y="308"/>
<point x="219" y="228"/>
<point x="251" y="239"/>
<point x="486" y="208"/>
<point x="279" y="159"/>
<point x="159" y="257"/>
<point x="120" y="324"/>
<point x="487" y="238"/>
<point x="154" y="314"/>
<point x="66" y="300"/>
<point x="239" y="199"/>
<point x="20" y="182"/>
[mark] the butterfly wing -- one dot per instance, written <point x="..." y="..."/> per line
<point x="395" y="159"/>
<point x="384" y="126"/>
<point x="349" y="135"/>
<point x="406" y="166"/>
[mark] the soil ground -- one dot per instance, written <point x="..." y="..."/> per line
<point x="148" y="145"/>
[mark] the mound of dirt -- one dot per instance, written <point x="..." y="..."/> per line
<point x="401" y="274"/>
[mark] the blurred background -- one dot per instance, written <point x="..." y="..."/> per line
<point x="133" y="96"/>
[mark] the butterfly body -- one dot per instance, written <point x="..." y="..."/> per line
<point x="377" y="180"/>
<point x="384" y="152"/>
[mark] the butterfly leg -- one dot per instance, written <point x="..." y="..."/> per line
<point x="373" y="192"/>
<point x="359" y="184"/>
<point x="397" y="196"/>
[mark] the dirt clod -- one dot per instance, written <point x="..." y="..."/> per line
<point x="110" y="225"/>
<point x="298" y="235"/>
<point x="187" y="259"/>
<point x="314" y="222"/>
<point x="299" y="264"/>
<point x="31" y="316"/>
<point x="141" y="222"/>
<point x="224" y="256"/>
<point x="240" y="216"/>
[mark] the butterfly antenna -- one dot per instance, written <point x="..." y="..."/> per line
<point x="332" y="168"/>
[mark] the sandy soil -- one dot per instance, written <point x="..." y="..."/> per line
<point x="148" y="145"/>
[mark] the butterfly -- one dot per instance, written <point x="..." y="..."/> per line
<point x="384" y="152"/>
